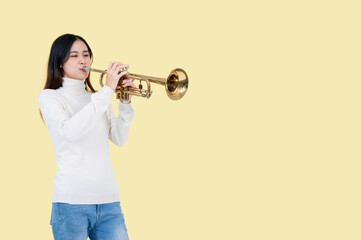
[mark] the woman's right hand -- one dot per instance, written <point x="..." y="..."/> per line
<point x="113" y="74"/>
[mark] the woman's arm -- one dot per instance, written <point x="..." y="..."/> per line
<point x="119" y="126"/>
<point x="73" y="127"/>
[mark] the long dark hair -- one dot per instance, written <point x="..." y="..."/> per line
<point x="59" y="54"/>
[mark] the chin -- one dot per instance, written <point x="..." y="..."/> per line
<point x="81" y="77"/>
<point x="78" y="76"/>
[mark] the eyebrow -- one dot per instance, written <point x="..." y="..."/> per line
<point x="78" y="52"/>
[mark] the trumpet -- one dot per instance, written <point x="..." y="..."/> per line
<point x="176" y="84"/>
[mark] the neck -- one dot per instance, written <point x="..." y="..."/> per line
<point x="74" y="86"/>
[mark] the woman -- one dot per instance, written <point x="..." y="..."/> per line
<point x="80" y="121"/>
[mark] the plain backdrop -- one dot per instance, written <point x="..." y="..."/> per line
<point x="265" y="144"/>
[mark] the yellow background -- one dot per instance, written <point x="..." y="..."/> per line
<point x="265" y="144"/>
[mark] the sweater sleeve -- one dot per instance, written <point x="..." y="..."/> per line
<point x="119" y="126"/>
<point x="73" y="127"/>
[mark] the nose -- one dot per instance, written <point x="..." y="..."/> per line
<point x="81" y="60"/>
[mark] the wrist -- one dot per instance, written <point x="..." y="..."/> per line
<point x="112" y="88"/>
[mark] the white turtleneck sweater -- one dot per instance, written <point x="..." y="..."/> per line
<point x="80" y="124"/>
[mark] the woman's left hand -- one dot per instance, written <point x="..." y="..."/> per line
<point x="128" y="82"/>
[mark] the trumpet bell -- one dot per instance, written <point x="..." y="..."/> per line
<point x="177" y="84"/>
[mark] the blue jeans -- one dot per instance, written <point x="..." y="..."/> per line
<point x="80" y="221"/>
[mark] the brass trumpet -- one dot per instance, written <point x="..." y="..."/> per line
<point x="176" y="84"/>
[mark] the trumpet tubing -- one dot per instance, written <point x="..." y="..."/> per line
<point x="176" y="84"/>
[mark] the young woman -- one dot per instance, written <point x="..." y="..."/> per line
<point x="80" y="121"/>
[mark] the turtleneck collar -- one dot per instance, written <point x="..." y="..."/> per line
<point x="73" y="86"/>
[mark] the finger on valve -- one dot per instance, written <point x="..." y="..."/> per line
<point x="122" y="68"/>
<point x="128" y="84"/>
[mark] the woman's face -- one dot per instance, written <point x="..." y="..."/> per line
<point x="78" y="58"/>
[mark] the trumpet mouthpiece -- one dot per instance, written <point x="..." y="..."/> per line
<point x="85" y="69"/>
